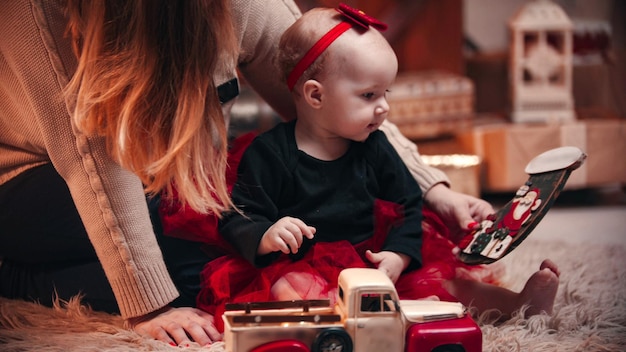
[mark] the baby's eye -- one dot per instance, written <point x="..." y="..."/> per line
<point x="369" y="95"/>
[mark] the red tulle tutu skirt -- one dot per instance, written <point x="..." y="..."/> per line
<point x="231" y="279"/>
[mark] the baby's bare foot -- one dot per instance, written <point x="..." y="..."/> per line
<point x="547" y="263"/>
<point x="540" y="290"/>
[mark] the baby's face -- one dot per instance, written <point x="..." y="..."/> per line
<point x="360" y="71"/>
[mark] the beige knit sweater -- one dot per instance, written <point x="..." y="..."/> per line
<point x="36" y="62"/>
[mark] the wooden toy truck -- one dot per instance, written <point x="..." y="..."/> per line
<point x="368" y="316"/>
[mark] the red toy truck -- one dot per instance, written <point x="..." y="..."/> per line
<point x="368" y="316"/>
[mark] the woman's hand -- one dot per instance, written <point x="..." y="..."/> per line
<point x="461" y="212"/>
<point x="177" y="326"/>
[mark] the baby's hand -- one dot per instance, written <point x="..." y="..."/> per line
<point x="391" y="263"/>
<point x="286" y="235"/>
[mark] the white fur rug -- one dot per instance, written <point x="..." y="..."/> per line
<point x="589" y="314"/>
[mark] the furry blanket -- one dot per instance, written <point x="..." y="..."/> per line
<point x="589" y="314"/>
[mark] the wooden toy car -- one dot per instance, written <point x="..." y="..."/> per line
<point x="368" y="316"/>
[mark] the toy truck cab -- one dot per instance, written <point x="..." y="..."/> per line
<point x="368" y="306"/>
<point x="377" y="320"/>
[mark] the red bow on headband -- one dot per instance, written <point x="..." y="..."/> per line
<point x="360" y="18"/>
<point x="351" y="17"/>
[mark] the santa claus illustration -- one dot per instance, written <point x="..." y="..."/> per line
<point x="520" y="211"/>
<point x="493" y="240"/>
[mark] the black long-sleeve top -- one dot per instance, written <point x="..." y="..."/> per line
<point x="337" y="197"/>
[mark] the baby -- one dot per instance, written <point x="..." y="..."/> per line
<point x="327" y="190"/>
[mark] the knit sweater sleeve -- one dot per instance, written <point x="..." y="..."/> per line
<point x="109" y="199"/>
<point x="264" y="23"/>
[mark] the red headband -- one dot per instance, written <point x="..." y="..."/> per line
<point x="351" y="17"/>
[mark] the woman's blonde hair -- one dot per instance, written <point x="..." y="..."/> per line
<point x="144" y="80"/>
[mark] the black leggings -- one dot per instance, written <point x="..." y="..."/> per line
<point x="45" y="251"/>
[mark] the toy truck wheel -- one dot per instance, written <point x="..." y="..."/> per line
<point x="332" y="340"/>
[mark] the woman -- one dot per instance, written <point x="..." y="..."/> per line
<point x="127" y="104"/>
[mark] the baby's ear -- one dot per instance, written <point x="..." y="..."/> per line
<point x="312" y="92"/>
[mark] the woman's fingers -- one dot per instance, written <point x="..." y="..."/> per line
<point x="181" y="326"/>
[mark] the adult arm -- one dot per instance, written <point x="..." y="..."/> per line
<point x="264" y="23"/>
<point x="109" y="199"/>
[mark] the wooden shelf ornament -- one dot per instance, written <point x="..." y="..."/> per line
<point x="540" y="63"/>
